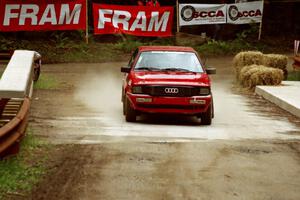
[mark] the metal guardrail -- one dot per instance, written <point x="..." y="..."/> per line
<point x="15" y="92"/>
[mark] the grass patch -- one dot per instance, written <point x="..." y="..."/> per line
<point x="20" y="173"/>
<point x="46" y="82"/>
<point x="70" y="46"/>
<point x="231" y="47"/>
<point x="127" y="47"/>
<point x="294" y="76"/>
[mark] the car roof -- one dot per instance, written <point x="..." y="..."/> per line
<point x="166" y="48"/>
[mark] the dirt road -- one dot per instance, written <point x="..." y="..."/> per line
<point x="251" y="151"/>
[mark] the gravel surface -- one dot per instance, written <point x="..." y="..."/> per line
<point x="251" y="151"/>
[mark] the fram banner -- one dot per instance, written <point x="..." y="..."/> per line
<point x="195" y="14"/>
<point x="134" y="20"/>
<point x="32" y="15"/>
<point x="245" y="13"/>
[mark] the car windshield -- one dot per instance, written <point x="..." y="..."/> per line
<point x="168" y="61"/>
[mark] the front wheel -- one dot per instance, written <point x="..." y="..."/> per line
<point x="124" y="108"/>
<point x="130" y="114"/>
<point x="206" y="117"/>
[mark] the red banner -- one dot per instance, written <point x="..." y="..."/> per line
<point x="36" y="15"/>
<point x="134" y="20"/>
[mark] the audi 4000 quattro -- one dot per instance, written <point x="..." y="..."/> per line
<point x="167" y="79"/>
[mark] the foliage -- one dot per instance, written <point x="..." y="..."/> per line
<point x="130" y="43"/>
<point x="294" y="76"/>
<point x="245" y="41"/>
<point x="70" y="46"/>
<point x="61" y="41"/>
<point x="4" y="43"/>
<point x="18" y="174"/>
<point x="250" y="33"/>
<point x="128" y="46"/>
<point x="46" y="82"/>
<point x="163" y="41"/>
<point x="213" y="47"/>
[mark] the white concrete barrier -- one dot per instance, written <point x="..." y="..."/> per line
<point x="286" y="96"/>
<point x="16" y="80"/>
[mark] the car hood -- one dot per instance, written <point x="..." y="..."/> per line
<point x="170" y="78"/>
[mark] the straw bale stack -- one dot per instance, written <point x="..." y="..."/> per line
<point x="260" y="75"/>
<point x="246" y="58"/>
<point x="246" y="72"/>
<point x="275" y="61"/>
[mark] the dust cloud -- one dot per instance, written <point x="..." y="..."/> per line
<point x="100" y="91"/>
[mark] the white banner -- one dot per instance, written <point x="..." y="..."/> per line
<point x="245" y="13"/>
<point x="194" y="14"/>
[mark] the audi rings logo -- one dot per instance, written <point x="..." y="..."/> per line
<point x="171" y="90"/>
<point x="187" y="13"/>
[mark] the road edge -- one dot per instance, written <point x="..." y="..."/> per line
<point x="284" y="96"/>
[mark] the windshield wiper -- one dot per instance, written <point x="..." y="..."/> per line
<point x="148" y="68"/>
<point x="176" y="69"/>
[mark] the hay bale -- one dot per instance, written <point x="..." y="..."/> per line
<point x="275" y="61"/>
<point x="246" y="58"/>
<point x="264" y="76"/>
<point x="267" y="76"/>
<point x="246" y="72"/>
<point x="253" y="75"/>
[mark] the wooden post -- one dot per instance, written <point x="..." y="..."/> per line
<point x="260" y="29"/>
<point x="260" y="25"/>
<point x="87" y="24"/>
<point x="296" y="47"/>
<point x="177" y="9"/>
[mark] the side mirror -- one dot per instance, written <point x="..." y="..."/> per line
<point x="125" y="69"/>
<point x="211" y="70"/>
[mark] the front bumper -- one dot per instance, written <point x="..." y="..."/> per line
<point x="178" y="105"/>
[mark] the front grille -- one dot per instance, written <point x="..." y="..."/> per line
<point x="181" y="107"/>
<point x="183" y="91"/>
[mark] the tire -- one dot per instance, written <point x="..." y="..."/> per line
<point x="130" y="114"/>
<point x="123" y="102"/>
<point x="124" y="108"/>
<point x="213" y="112"/>
<point x="213" y="108"/>
<point x="206" y="117"/>
<point x="36" y="73"/>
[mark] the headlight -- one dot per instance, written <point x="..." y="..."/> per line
<point x="204" y="91"/>
<point x="137" y="90"/>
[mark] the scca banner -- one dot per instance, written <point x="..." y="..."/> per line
<point x="245" y="13"/>
<point x="194" y="14"/>
<point x="33" y="15"/>
<point x="133" y="20"/>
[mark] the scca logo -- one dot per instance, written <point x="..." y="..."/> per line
<point x="204" y="14"/>
<point x="189" y="13"/>
<point x="234" y="13"/>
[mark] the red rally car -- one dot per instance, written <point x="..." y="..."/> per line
<point x="169" y="80"/>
